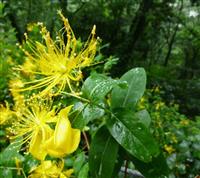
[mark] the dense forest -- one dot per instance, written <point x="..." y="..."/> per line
<point x="138" y="44"/>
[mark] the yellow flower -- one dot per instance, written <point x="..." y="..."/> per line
<point x="157" y="89"/>
<point x="30" y="26"/>
<point x="55" y="63"/>
<point x="174" y="139"/>
<point x="65" y="139"/>
<point x="5" y="113"/>
<point x="17" y="97"/>
<point x="33" y="126"/>
<point x="141" y="103"/>
<point x="49" y="169"/>
<point x="159" y="105"/>
<point x="184" y="122"/>
<point x="169" y="149"/>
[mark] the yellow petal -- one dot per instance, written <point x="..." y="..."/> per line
<point x="36" y="146"/>
<point x="68" y="172"/>
<point x="63" y="132"/>
<point x="64" y="112"/>
<point x="52" y="150"/>
<point x="65" y="136"/>
<point x="75" y="140"/>
<point x="46" y="169"/>
<point x="65" y="139"/>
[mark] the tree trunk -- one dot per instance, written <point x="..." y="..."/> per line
<point x="63" y="6"/>
<point x="171" y="42"/>
<point x="170" y="45"/>
<point x="136" y="31"/>
<point x="138" y="24"/>
<point x="12" y="17"/>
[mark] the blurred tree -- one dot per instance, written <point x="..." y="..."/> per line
<point x="161" y="35"/>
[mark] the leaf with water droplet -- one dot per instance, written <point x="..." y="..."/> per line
<point x="128" y="97"/>
<point x="143" y="117"/>
<point x="156" y="168"/>
<point x="132" y="135"/>
<point x="11" y="153"/>
<point x="97" y="86"/>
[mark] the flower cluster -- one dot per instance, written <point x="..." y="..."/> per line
<point x="49" y="68"/>
<point x="50" y="169"/>
<point x="55" y="65"/>
<point x="34" y="125"/>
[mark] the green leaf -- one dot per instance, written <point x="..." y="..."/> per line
<point x="132" y="135"/>
<point x="29" y="163"/>
<point x="9" y="155"/>
<point x="97" y="86"/>
<point x="2" y="133"/>
<point x="84" y="171"/>
<point x="144" y="117"/>
<point x="79" y="161"/>
<point x="156" y="168"/>
<point x="6" y="172"/>
<point x="84" y="113"/>
<point x="119" y="162"/>
<point x="102" y="155"/>
<point x="128" y="97"/>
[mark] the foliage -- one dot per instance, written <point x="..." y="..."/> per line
<point x="177" y="134"/>
<point x="9" y="52"/>
<point x="73" y="109"/>
<point x="47" y="120"/>
<point x="162" y="36"/>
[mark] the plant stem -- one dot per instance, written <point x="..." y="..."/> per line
<point x="86" y="140"/>
<point x="126" y="167"/>
<point x="76" y="96"/>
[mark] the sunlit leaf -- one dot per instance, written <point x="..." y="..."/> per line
<point x="144" y="117"/>
<point x="11" y="153"/>
<point x="132" y="135"/>
<point x="97" y="86"/>
<point x="128" y="97"/>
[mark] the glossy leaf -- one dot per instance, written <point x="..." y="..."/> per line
<point x="102" y="155"/>
<point x="84" y="113"/>
<point x="144" y="117"/>
<point x="128" y="97"/>
<point x="10" y="154"/>
<point x="156" y="168"/>
<point x="132" y="135"/>
<point x="97" y="86"/>
<point x="29" y="162"/>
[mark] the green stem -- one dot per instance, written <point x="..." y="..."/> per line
<point x="14" y="168"/>
<point x="87" y="101"/>
<point x="76" y="96"/>
<point x="126" y="167"/>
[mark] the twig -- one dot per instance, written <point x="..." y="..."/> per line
<point x="86" y="140"/>
<point x="126" y="167"/>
